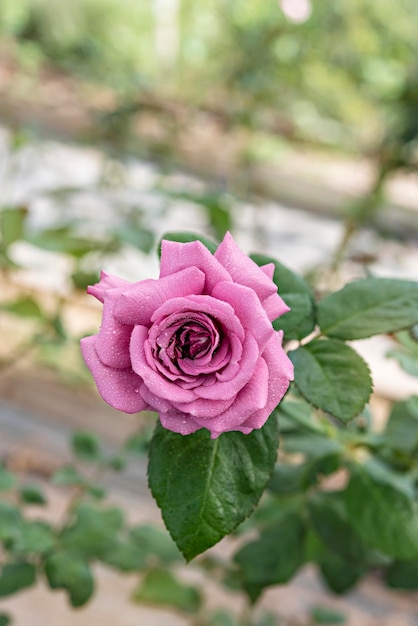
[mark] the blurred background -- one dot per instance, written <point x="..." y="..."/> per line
<point x="292" y="123"/>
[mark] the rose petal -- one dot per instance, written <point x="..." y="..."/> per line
<point x="268" y="269"/>
<point x="251" y="399"/>
<point x="242" y="269"/>
<point x="280" y="374"/>
<point x="203" y="409"/>
<point x="179" y="422"/>
<point x="119" y="388"/>
<point x="177" y="256"/>
<point x="107" y="281"/>
<point x="112" y="343"/>
<point x="225" y="390"/>
<point x="155" y="381"/>
<point x="137" y="304"/>
<point x="248" y="308"/>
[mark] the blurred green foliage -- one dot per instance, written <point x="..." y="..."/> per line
<point x="332" y="79"/>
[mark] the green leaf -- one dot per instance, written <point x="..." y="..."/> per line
<point x="367" y="307"/>
<point x="274" y="557"/>
<point x="300" y="320"/>
<point x="34" y="538"/>
<point x="125" y="556"/>
<point x="339" y="575"/>
<point x="137" y="237"/>
<point x="67" y="571"/>
<point x="25" y="307"/>
<point x="10" y="521"/>
<point x="333" y="377"/>
<point x="312" y="445"/>
<point x="7" y="479"/>
<point x="324" y="615"/>
<point x="207" y="487"/>
<point x="12" y="223"/>
<point x="5" y="619"/>
<point x="155" y="543"/>
<point x="289" y="479"/>
<point x="161" y="587"/>
<point x="32" y="494"/>
<point x="16" y="576"/>
<point x="186" y="237"/>
<point x="403" y="575"/>
<point x="222" y="618"/>
<point x="69" y="476"/>
<point x="300" y="414"/>
<point x="93" y="531"/>
<point x="86" y="446"/>
<point x="402" y="427"/>
<point x="381" y="507"/>
<point x="330" y="521"/>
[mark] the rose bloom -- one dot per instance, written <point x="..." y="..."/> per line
<point x="197" y="345"/>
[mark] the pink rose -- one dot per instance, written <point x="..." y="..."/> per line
<point x="197" y="345"/>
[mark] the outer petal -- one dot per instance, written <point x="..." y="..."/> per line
<point x="112" y="343"/>
<point x="137" y="304"/>
<point x="179" y="422"/>
<point x="119" y="388"/>
<point x="177" y="256"/>
<point x="248" y="309"/>
<point x="280" y="373"/>
<point x="242" y="269"/>
<point x="274" y="306"/>
<point x="107" y="281"/>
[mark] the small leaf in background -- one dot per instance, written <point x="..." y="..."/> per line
<point x="12" y="225"/>
<point x="16" y="576"/>
<point x="222" y="618"/>
<point x="32" y="494"/>
<point x="25" y="307"/>
<point x="401" y="430"/>
<point x="67" y="571"/>
<point x="333" y="377"/>
<point x="125" y="556"/>
<point x="274" y="557"/>
<point x="403" y="575"/>
<point x="329" y="519"/>
<point x="81" y="280"/>
<point x="69" y="476"/>
<point x="10" y="521"/>
<point x="406" y="352"/>
<point x="324" y="615"/>
<point x="207" y="487"/>
<point x="138" y="443"/>
<point x="186" y="237"/>
<point x="339" y="575"/>
<point x="7" y="479"/>
<point x="300" y="320"/>
<point x="86" y="446"/>
<point x="296" y="414"/>
<point x="5" y="619"/>
<point x="380" y="506"/>
<point x="93" y="530"/>
<point x="155" y="543"/>
<point x="367" y="307"/>
<point x="35" y="537"/>
<point x="163" y="588"/>
<point x="138" y="237"/>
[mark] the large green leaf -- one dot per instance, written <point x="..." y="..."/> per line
<point x="381" y="507"/>
<point x="369" y="307"/>
<point x="207" y="487"/>
<point x="300" y="320"/>
<point x="161" y="587"/>
<point x="93" y="530"/>
<point x="274" y="557"/>
<point x="333" y="377"/>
